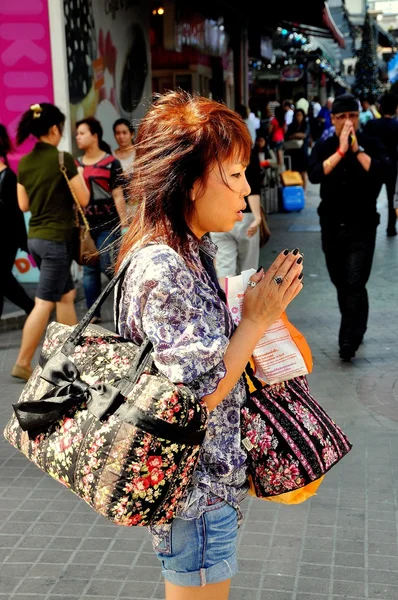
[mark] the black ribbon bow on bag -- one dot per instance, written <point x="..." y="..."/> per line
<point x="70" y="391"/>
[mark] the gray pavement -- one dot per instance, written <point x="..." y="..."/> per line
<point x="341" y="544"/>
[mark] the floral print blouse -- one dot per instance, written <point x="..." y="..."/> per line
<point x="175" y="303"/>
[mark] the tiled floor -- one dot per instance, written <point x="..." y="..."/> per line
<point x="340" y="545"/>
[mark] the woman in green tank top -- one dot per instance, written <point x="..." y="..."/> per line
<point x="43" y="191"/>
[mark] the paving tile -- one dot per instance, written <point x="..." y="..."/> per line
<point x="309" y="585"/>
<point x="264" y="596"/>
<point x="383" y="562"/>
<point x="387" y="592"/>
<point x="102" y="587"/>
<point x="138" y="589"/>
<point x="349" y="588"/>
<point x="317" y="557"/>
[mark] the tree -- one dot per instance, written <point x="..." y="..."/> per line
<point x="367" y="83"/>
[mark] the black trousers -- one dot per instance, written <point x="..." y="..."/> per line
<point x="390" y="187"/>
<point x="349" y="254"/>
<point x="9" y="286"/>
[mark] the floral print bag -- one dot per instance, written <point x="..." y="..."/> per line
<point x="290" y="439"/>
<point x="97" y="416"/>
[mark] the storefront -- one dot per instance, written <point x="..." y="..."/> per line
<point x="106" y="45"/>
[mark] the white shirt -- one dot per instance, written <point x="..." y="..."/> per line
<point x="316" y="109"/>
<point x="289" y="116"/>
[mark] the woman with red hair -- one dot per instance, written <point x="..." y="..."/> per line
<point x="189" y="177"/>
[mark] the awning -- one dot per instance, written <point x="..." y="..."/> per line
<point x="331" y="25"/>
<point x="384" y="38"/>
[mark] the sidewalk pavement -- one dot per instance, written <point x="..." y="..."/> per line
<point x="340" y="545"/>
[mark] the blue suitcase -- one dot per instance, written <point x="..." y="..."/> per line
<point x="293" y="198"/>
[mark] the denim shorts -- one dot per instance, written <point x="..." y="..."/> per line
<point x="203" y="550"/>
<point x="54" y="260"/>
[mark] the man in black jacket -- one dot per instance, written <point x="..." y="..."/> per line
<point x="351" y="168"/>
<point x="386" y="129"/>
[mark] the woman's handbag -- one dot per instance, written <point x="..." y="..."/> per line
<point x="85" y="251"/>
<point x="290" y="440"/>
<point x="293" y="144"/>
<point x="97" y="416"/>
<point x="265" y="232"/>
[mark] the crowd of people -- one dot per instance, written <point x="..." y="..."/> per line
<point x="97" y="181"/>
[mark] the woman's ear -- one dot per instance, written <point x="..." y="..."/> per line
<point x="54" y="130"/>
<point x="194" y="191"/>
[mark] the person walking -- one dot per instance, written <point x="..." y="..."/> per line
<point x="351" y="168"/>
<point x="124" y="136"/>
<point x="296" y="144"/>
<point x="12" y="231"/>
<point x="277" y="130"/>
<point x="106" y="211"/>
<point x="239" y="248"/>
<point x="289" y="112"/>
<point x="386" y="130"/>
<point x="324" y="117"/>
<point x="170" y="295"/>
<point x="43" y="191"/>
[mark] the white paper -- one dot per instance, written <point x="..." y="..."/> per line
<point x="276" y="356"/>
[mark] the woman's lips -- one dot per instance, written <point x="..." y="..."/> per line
<point x="240" y="215"/>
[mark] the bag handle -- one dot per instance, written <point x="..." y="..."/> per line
<point x="71" y="341"/>
<point x="63" y="170"/>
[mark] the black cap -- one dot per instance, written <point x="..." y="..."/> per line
<point x="345" y="103"/>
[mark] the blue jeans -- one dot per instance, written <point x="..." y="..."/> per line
<point x="105" y="242"/>
<point x="203" y="550"/>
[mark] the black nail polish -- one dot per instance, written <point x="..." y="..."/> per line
<point x="295" y="251"/>
<point x="259" y="269"/>
<point x="300" y="276"/>
<point x="286" y="252"/>
<point x="299" y="260"/>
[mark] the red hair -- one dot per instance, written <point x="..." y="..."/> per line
<point x="178" y="142"/>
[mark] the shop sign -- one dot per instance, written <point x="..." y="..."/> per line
<point x="291" y="73"/>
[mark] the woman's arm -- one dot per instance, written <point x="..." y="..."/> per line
<point x="120" y="203"/>
<point x="255" y="207"/>
<point x="80" y="189"/>
<point x="262" y="306"/>
<point x="23" y="198"/>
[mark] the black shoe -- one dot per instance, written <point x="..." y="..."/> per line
<point x="391" y="232"/>
<point x="347" y="352"/>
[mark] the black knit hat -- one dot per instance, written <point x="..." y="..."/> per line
<point x="345" y="103"/>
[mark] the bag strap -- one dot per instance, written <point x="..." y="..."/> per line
<point x="71" y="341"/>
<point x="62" y="167"/>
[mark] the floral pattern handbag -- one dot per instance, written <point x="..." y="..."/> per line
<point x="290" y="439"/>
<point x="97" y="416"/>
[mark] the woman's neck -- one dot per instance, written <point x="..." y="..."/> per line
<point x="47" y="139"/>
<point x="93" y="152"/>
<point x="126" y="150"/>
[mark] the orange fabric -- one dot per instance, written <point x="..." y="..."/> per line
<point x="295" y="497"/>
<point x="300" y="342"/>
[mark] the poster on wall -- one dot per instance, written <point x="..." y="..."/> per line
<point x="25" y="79"/>
<point x="108" y="58"/>
<point x="25" y="269"/>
